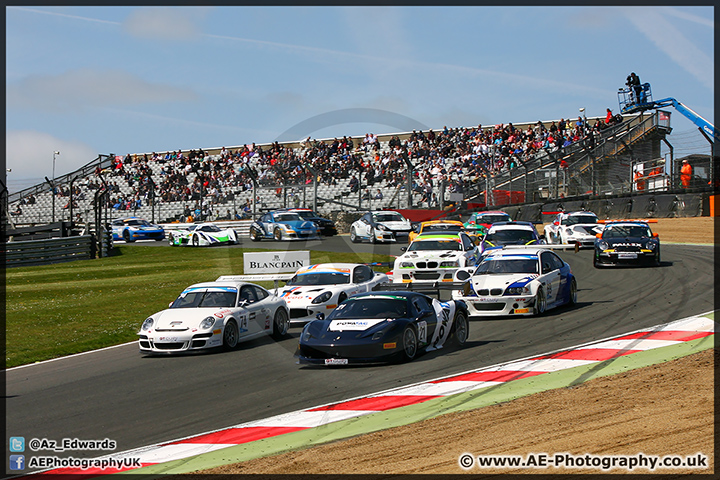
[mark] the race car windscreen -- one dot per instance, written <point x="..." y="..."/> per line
<point x="321" y="278"/>
<point x="205" y="298"/>
<point x="510" y="237"/>
<point x="622" y="231"/>
<point x="370" y="308"/>
<point x="286" y="217"/>
<point x="516" y="265"/>
<point x="492" y="218"/>
<point x="388" y="217"/>
<point x="426" y="245"/>
<point x="575" y="219"/>
<point x="138" y="223"/>
<point x="306" y="215"/>
<point x="442" y="228"/>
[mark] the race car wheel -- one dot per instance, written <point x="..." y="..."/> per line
<point x="596" y="264"/>
<point x="373" y="238"/>
<point x="409" y="343"/>
<point x="278" y="234"/>
<point x="230" y="335"/>
<point x="127" y="237"/>
<point x="461" y="328"/>
<point x="353" y="235"/>
<point x="281" y="324"/>
<point x="540" y="302"/>
<point x="170" y="240"/>
<point x="573" y="292"/>
<point x="195" y="241"/>
<point x="657" y="259"/>
<point x="254" y="235"/>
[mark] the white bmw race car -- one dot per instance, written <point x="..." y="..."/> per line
<point x="435" y="257"/>
<point x="516" y="281"/>
<point x="574" y="228"/>
<point x="214" y="314"/>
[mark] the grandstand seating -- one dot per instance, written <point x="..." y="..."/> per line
<point x="329" y="197"/>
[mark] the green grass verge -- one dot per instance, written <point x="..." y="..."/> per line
<point x="66" y="308"/>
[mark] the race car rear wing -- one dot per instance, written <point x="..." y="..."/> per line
<point x="560" y="246"/>
<point x="424" y="287"/>
<point x="643" y="220"/>
<point x="269" y="277"/>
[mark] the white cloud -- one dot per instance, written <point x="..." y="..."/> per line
<point x="165" y="23"/>
<point x="673" y="43"/>
<point x="79" y="89"/>
<point x="30" y="156"/>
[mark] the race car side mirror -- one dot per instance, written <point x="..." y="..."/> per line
<point x="655" y="235"/>
<point x="462" y="275"/>
<point x="320" y="316"/>
<point x="243" y="302"/>
<point x="402" y="249"/>
<point x="598" y="235"/>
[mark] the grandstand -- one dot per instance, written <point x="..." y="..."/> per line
<point x="478" y="166"/>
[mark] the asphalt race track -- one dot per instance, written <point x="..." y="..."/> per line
<point x="137" y="401"/>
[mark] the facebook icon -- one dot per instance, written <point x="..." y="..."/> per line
<point x="17" y="462"/>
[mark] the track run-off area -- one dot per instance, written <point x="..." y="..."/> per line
<point x="137" y="401"/>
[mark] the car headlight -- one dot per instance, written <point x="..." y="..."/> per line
<point x="207" y="323"/>
<point x="147" y="324"/>
<point x="517" y="291"/>
<point x="305" y="335"/>
<point x="406" y="265"/>
<point x="603" y="245"/>
<point x="381" y="227"/>
<point x="449" y="264"/>
<point x="651" y="245"/>
<point x="322" y="298"/>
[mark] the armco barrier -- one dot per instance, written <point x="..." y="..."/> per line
<point x="52" y="250"/>
<point x="636" y="206"/>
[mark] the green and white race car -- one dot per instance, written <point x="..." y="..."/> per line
<point x="202" y="235"/>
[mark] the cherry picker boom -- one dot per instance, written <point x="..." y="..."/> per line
<point x="632" y="101"/>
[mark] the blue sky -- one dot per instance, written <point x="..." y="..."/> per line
<point x="96" y="80"/>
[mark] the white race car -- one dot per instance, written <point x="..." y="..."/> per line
<point x="574" y="227"/>
<point x="516" y="281"/>
<point x="202" y="235"/>
<point x="322" y="287"/>
<point x="380" y="226"/>
<point x="214" y="314"/>
<point x="435" y="257"/>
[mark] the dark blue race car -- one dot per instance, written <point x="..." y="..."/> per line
<point x="377" y="327"/>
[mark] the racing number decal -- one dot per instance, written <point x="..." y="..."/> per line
<point x="243" y="321"/>
<point x="548" y="285"/>
<point x="443" y="325"/>
<point x="422" y="331"/>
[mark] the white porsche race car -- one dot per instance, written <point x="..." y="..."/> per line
<point x="214" y="314"/>
<point x="380" y="226"/>
<point x="516" y="281"/>
<point x="435" y="257"/>
<point x="322" y="287"/>
<point x="574" y="228"/>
